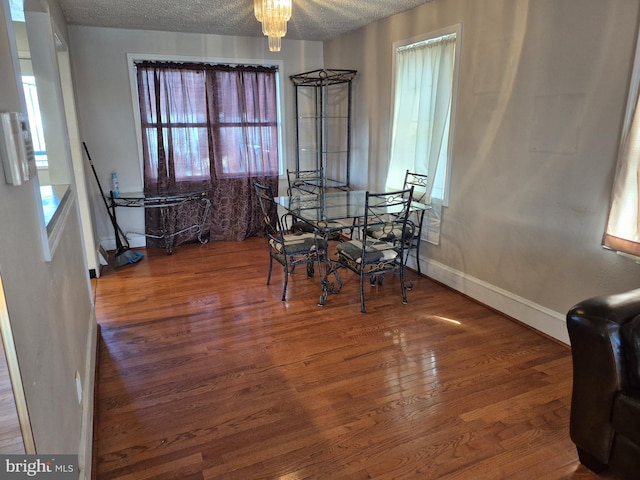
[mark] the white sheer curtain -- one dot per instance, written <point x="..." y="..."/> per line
<point x="623" y="227"/>
<point x="422" y="110"/>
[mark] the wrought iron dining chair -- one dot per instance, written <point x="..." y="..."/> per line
<point x="298" y="184"/>
<point x="374" y="257"/>
<point x="304" y="181"/>
<point x="288" y="249"/>
<point x="309" y="182"/>
<point x="416" y="217"/>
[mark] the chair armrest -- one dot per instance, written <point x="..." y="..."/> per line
<point x="594" y="327"/>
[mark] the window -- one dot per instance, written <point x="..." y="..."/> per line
<point x="208" y="127"/>
<point x="246" y="122"/>
<point x="424" y="106"/>
<point x="200" y="121"/>
<point x="45" y="71"/>
<point x="173" y="108"/>
<point x="623" y="226"/>
<point x="35" y="120"/>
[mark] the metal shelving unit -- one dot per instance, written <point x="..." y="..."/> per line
<point x="323" y="124"/>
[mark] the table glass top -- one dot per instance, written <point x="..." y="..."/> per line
<point x="331" y="205"/>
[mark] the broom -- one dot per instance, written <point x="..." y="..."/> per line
<point x="124" y="255"/>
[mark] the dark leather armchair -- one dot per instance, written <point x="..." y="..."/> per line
<point x="605" y="403"/>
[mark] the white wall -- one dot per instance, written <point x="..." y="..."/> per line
<point x="49" y="303"/>
<point x="543" y="87"/>
<point x="106" y="105"/>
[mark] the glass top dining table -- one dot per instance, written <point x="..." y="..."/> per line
<point x="323" y="210"/>
<point x="332" y="206"/>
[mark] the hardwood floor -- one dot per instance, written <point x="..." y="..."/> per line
<point x="205" y="374"/>
<point x="10" y="433"/>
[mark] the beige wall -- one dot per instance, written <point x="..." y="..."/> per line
<point x="106" y="104"/>
<point x="49" y="303"/>
<point x="542" y="95"/>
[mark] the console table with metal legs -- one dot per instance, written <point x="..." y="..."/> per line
<point x="165" y="202"/>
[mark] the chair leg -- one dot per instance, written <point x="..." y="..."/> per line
<point x="403" y="287"/>
<point x="270" y="269"/>
<point x="286" y="280"/>
<point x="362" y="293"/>
<point x="310" y="270"/>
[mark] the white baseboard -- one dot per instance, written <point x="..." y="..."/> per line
<point x="103" y="256"/>
<point x="547" y="321"/>
<point x="85" y="450"/>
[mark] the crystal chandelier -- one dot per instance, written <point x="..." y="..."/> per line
<point x="273" y="14"/>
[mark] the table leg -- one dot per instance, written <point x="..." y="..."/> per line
<point x="207" y="206"/>
<point x="326" y="267"/>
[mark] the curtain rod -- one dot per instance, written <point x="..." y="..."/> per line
<point x="185" y="64"/>
<point x="451" y="37"/>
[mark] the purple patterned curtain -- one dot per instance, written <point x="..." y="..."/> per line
<point x="213" y="128"/>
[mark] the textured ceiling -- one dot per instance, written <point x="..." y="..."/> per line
<point x="311" y="20"/>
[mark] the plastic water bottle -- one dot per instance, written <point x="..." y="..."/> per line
<point x="114" y="185"/>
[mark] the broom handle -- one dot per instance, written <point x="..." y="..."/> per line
<point x="116" y="227"/>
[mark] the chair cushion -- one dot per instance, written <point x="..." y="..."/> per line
<point x="296" y="243"/>
<point x="300" y="226"/>
<point x="375" y="251"/>
<point x="631" y="346"/>
<point x="332" y="225"/>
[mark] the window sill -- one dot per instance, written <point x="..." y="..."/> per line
<point x="56" y="205"/>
